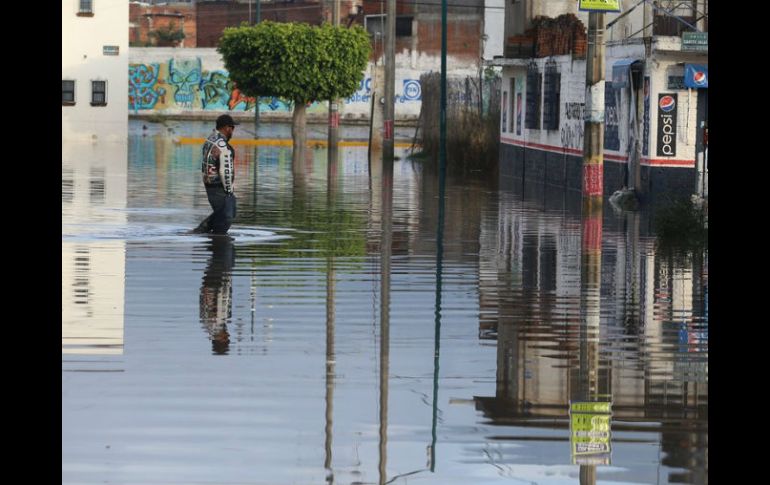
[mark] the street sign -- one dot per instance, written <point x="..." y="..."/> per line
<point x="695" y="41"/>
<point x="599" y="5"/>
<point x="589" y="425"/>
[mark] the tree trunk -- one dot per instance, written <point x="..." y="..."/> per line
<point x="299" y="132"/>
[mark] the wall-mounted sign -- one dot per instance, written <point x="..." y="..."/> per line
<point x="599" y="5"/>
<point x="696" y="76"/>
<point x="695" y="41"/>
<point x="111" y="50"/>
<point x="667" y="124"/>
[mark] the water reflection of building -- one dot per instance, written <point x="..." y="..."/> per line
<point x="653" y="332"/>
<point x="93" y="269"/>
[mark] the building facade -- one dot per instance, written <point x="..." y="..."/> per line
<point x="94" y="66"/>
<point x="656" y="95"/>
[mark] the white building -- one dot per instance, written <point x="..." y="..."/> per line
<point x="94" y="69"/>
<point x="656" y="95"/>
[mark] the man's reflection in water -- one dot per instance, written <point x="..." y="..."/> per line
<point x="217" y="292"/>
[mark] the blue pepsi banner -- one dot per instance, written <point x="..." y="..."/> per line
<point x="667" y="124"/>
<point x="696" y="76"/>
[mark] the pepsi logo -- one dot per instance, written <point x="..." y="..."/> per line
<point x="700" y="78"/>
<point x="667" y="103"/>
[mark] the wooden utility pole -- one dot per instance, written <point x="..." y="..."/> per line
<point x="390" y="82"/>
<point x="593" y="147"/>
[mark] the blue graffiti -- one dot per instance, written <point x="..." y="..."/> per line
<point x="141" y="86"/>
<point x="184" y="75"/>
<point x="215" y="90"/>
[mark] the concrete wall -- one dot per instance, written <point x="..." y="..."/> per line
<point x="83" y="60"/>
<point x="201" y="84"/>
<point x="494" y="25"/>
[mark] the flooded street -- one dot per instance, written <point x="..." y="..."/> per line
<point x="314" y="347"/>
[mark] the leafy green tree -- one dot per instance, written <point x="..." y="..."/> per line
<point x="167" y="36"/>
<point x="298" y="62"/>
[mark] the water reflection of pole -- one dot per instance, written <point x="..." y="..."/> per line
<point x="437" y="336"/>
<point x="330" y="363"/>
<point x="385" y="253"/>
<point x="590" y="310"/>
<point x="253" y="289"/>
<point x="331" y="192"/>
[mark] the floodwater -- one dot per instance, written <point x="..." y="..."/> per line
<point x="312" y="347"/>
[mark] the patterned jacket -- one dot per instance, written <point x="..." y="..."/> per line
<point x="221" y="169"/>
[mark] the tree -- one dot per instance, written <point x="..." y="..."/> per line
<point x="168" y="36"/>
<point x="295" y="61"/>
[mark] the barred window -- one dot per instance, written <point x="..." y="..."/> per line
<point x="86" y="6"/>
<point x="98" y="93"/>
<point x="534" y="81"/>
<point x="67" y="92"/>
<point x="551" y="95"/>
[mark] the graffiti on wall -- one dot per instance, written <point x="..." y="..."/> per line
<point x="572" y="128"/>
<point x="215" y="90"/>
<point x="142" y="91"/>
<point x="191" y="87"/>
<point x="184" y="75"/>
<point x="411" y="91"/>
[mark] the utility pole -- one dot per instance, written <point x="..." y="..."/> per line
<point x="591" y="222"/>
<point x="593" y="147"/>
<point x="390" y="83"/>
<point x="334" y="113"/>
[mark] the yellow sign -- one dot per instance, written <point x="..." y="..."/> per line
<point x="599" y="5"/>
<point x="590" y="431"/>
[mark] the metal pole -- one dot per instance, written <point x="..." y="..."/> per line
<point x="390" y="82"/>
<point x="256" y="107"/>
<point x="442" y="115"/>
<point x="334" y="114"/>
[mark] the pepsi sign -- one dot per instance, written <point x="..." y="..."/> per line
<point x="667" y="125"/>
<point x="696" y="76"/>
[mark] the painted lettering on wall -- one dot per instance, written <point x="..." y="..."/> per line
<point x="572" y="128"/>
<point x="611" y="122"/>
<point x="646" y="129"/>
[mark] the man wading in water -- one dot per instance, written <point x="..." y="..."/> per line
<point x="217" y="170"/>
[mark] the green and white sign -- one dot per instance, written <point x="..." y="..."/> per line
<point x="589" y="424"/>
<point x="695" y="41"/>
<point x="599" y="5"/>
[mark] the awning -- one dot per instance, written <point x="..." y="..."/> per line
<point x="696" y="76"/>
<point x="620" y="72"/>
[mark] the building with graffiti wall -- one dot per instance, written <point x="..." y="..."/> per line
<point x="655" y="95"/>
<point x="94" y="63"/>
<point x="193" y="83"/>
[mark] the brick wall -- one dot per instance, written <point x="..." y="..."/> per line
<point x="213" y="17"/>
<point x="144" y="18"/>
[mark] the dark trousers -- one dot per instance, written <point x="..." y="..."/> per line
<point x="224" y="206"/>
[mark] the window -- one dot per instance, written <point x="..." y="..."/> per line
<point x="534" y="81"/>
<point x="551" y="95"/>
<point x="85" y="8"/>
<point x="98" y="93"/>
<point x="375" y="25"/>
<point x="67" y="92"/>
